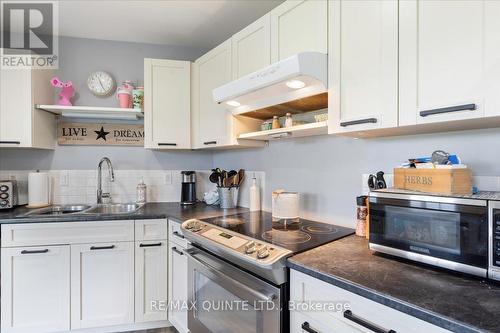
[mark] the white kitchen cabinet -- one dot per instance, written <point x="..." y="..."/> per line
<point x="102" y="284"/>
<point x="344" y="309"/>
<point x="449" y="60"/>
<point x="251" y="47"/>
<point x="178" y="287"/>
<point x="300" y="323"/>
<point x="213" y="125"/>
<point x="35" y="289"/>
<point x="299" y="26"/>
<point x="21" y="125"/>
<point x="151" y="280"/>
<point x="363" y="65"/>
<point x="167" y="99"/>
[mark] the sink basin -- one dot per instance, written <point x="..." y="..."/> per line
<point x="58" y="210"/>
<point x="113" y="208"/>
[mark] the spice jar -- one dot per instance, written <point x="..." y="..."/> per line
<point x="288" y="120"/>
<point x="276" y="122"/>
<point x="362" y="215"/>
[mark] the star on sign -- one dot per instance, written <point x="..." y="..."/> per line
<point x="101" y="134"/>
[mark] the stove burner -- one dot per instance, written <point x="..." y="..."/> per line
<point x="286" y="237"/>
<point x="319" y="229"/>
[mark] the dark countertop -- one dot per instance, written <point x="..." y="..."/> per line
<point x="453" y="301"/>
<point x="153" y="210"/>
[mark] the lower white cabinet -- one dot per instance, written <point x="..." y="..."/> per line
<point x="151" y="280"/>
<point x="302" y="323"/>
<point x="102" y="284"/>
<point x="178" y="287"/>
<point x="35" y="289"/>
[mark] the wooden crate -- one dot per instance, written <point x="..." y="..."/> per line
<point x="440" y="181"/>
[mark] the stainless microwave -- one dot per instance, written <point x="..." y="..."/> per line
<point x="452" y="233"/>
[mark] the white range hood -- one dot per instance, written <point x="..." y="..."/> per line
<point x="296" y="77"/>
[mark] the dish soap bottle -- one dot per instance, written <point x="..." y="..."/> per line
<point x="141" y="192"/>
<point x="254" y="195"/>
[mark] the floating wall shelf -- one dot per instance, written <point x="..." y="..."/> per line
<point x="310" y="129"/>
<point x="92" y="112"/>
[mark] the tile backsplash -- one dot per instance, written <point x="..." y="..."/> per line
<point x="80" y="186"/>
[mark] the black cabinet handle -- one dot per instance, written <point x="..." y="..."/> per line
<point x="10" y="142"/>
<point x="177" y="251"/>
<point x="470" y="107"/>
<point x="210" y="143"/>
<point x="365" y="323"/>
<point x="306" y="327"/>
<point x="177" y="234"/>
<point x="149" y="245"/>
<point x="167" y="144"/>
<point x="109" y="247"/>
<point x="34" y="251"/>
<point x="358" y="122"/>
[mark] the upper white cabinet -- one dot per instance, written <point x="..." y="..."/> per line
<point x="449" y="60"/>
<point x="167" y="109"/>
<point x="35" y="289"/>
<point x="252" y="47"/>
<point x="21" y="125"/>
<point x="363" y="65"/>
<point x="299" y="26"/>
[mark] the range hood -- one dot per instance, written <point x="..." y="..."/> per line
<point x="300" y="80"/>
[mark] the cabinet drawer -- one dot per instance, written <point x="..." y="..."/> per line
<point x="66" y="233"/>
<point x="175" y="234"/>
<point x="306" y="289"/>
<point x="302" y="323"/>
<point x="150" y="229"/>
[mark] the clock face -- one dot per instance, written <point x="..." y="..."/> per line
<point x="101" y="83"/>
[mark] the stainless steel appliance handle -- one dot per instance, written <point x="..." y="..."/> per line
<point x="365" y="323"/>
<point x="266" y="298"/>
<point x="306" y="327"/>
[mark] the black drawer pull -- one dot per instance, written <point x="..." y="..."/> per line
<point x="10" y="142"/>
<point x="210" y="143"/>
<point x="177" y="234"/>
<point x="34" y="251"/>
<point x="149" y="245"/>
<point x="358" y="122"/>
<point x="306" y="327"/>
<point x="167" y="144"/>
<point x="109" y="247"/>
<point x="365" y="323"/>
<point x="177" y="251"/>
<point x="470" y="107"/>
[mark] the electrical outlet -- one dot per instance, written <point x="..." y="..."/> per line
<point x="64" y="178"/>
<point x="167" y="178"/>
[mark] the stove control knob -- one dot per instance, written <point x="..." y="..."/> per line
<point x="263" y="252"/>
<point x="250" y="247"/>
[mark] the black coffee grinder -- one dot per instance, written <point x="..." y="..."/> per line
<point x="188" y="188"/>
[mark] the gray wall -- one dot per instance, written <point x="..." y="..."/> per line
<point x="327" y="169"/>
<point x="125" y="61"/>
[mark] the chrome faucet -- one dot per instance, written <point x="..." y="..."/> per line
<point x="101" y="195"/>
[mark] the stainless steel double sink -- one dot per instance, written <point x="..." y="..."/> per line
<point x="103" y="209"/>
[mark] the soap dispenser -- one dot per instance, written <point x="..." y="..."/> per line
<point x="141" y="192"/>
<point x="254" y="195"/>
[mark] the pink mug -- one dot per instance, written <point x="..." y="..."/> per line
<point x="125" y="99"/>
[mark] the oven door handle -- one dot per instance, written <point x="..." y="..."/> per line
<point x="266" y="298"/>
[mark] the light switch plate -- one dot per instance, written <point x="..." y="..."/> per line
<point x="64" y="178"/>
<point x="167" y="178"/>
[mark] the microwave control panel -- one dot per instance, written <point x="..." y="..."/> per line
<point x="496" y="237"/>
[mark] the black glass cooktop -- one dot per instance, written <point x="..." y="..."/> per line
<point x="296" y="237"/>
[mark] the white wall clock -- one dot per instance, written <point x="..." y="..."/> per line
<point x="101" y="83"/>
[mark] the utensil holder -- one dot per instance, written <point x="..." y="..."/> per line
<point x="228" y="197"/>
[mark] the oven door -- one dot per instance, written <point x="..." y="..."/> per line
<point x="225" y="299"/>
<point x="452" y="234"/>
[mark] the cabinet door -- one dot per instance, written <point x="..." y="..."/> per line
<point x="213" y="123"/>
<point x="177" y="287"/>
<point x="102" y="284"/>
<point x="252" y="47"/>
<point x="299" y="26"/>
<point x="151" y="280"/>
<point x="443" y="60"/>
<point x="167" y="90"/>
<point x="35" y="289"/>
<point x="15" y="108"/>
<point x="363" y="65"/>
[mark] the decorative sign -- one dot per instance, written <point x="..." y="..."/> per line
<point x="100" y="134"/>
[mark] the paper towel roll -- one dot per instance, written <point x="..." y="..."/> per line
<point x="38" y="189"/>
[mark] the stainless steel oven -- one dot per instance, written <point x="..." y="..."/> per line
<point x="494" y="240"/>
<point x="448" y="232"/>
<point x="228" y="299"/>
